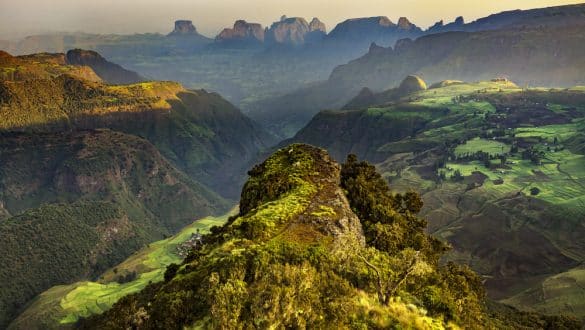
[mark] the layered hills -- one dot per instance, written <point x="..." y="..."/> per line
<point x="316" y="245"/>
<point x="198" y="131"/>
<point x="250" y="64"/>
<point x="499" y="168"/>
<point x="91" y="172"/>
<point x="530" y="57"/>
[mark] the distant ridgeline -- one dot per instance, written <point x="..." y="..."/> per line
<point x="250" y="64"/>
<point x="501" y="170"/>
<point x="91" y="172"/>
<point x="318" y="245"/>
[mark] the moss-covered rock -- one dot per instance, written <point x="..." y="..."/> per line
<point x="412" y="84"/>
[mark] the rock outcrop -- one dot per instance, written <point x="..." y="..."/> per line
<point x="243" y="33"/>
<point x="380" y="29"/>
<point x="412" y="84"/>
<point x="457" y="25"/>
<point x="109" y="72"/>
<point x="183" y="28"/>
<point x="294" y="31"/>
<point x="317" y="25"/>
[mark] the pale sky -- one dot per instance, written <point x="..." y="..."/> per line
<point x="22" y="17"/>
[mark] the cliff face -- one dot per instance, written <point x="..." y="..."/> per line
<point x="41" y="66"/>
<point x="109" y="72"/>
<point x="183" y="28"/>
<point x="379" y="29"/>
<point x="242" y="34"/>
<point x="294" y="31"/>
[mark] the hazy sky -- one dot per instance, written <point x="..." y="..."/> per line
<point x="19" y="17"/>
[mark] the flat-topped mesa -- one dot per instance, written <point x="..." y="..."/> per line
<point x="183" y="28"/>
<point x="379" y="29"/>
<point x="109" y="72"/>
<point x="294" y="31"/>
<point x="242" y="32"/>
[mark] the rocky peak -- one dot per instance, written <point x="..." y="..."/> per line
<point x="184" y="28"/>
<point x="317" y="25"/>
<point x="385" y="21"/>
<point x="437" y="25"/>
<point x="82" y="57"/>
<point x="405" y="24"/>
<point x="242" y="31"/>
<point x="288" y="31"/>
<point x="313" y="177"/>
<point x="109" y="72"/>
<point x="459" y="21"/>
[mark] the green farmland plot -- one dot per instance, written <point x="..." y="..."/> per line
<point x="491" y="147"/>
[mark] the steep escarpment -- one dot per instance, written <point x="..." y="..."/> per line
<point x="243" y="34"/>
<point x="41" y="66"/>
<point x="363" y="31"/>
<point x="78" y="203"/>
<point x="314" y="245"/>
<point x="198" y="131"/>
<point x="109" y="72"/>
<point x="294" y="31"/>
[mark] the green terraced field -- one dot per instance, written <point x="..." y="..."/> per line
<point x="92" y="298"/>
<point x="490" y="146"/>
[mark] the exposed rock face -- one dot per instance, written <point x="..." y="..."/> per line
<point x="459" y="21"/>
<point x="183" y="28"/>
<point x="405" y="24"/>
<point x="457" y="25"/>
<point x="109" y="72"/>
<point x="357" y="27"/>
<point x="242" y="33"/>
<point x="317" y="25"/>
<point x="374" y="29"/>
<point x="294" y="31"/>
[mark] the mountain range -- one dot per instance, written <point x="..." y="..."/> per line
<point x="249" y="51"/>
<point x="553" y="46"/>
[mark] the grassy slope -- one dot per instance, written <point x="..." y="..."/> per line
<point x="66" y="303"/>
<point x="560" y="293"/>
